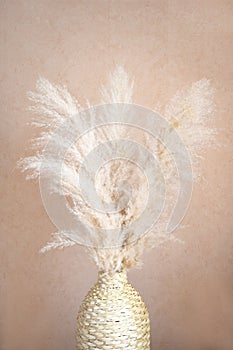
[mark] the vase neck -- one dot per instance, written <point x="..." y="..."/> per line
<point x="113" y="278"/>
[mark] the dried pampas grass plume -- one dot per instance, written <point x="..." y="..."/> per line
<point x="189" y="112"/>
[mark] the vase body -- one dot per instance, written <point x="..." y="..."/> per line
<point x="113" y="316"/>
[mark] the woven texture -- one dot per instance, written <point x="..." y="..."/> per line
<point x="113" y="316"/>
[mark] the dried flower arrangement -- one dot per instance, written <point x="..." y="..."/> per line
<point x="188" y="112"/>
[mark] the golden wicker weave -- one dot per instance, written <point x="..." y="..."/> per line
<point x="113" y="316"/>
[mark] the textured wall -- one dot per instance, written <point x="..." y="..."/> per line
<point x="165" y="44"/>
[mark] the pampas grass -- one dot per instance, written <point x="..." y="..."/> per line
<point x="188" y="112"/>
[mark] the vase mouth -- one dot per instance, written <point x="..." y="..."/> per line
<point x="112" y="273"/>
<point x="114" y="278"/>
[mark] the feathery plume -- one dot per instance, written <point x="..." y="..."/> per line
<point x="189" y="112"/>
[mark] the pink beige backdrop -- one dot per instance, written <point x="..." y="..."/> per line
<point x="165" y="45"/>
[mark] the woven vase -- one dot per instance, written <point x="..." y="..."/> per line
<point x="113" y="316"/>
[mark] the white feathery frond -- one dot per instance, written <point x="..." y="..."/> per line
<point x="30" y="165"/>
<point x="119" y="88"/>
<point x="196" y="100"/>
<point x="190" y="113"/>
<point x="60" y="241"/>
<point x="52" y="104"/>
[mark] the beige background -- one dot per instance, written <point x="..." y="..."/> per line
<point x="165" y="45"/>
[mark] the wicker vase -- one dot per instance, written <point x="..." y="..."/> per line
<point x="113" y="316"/>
